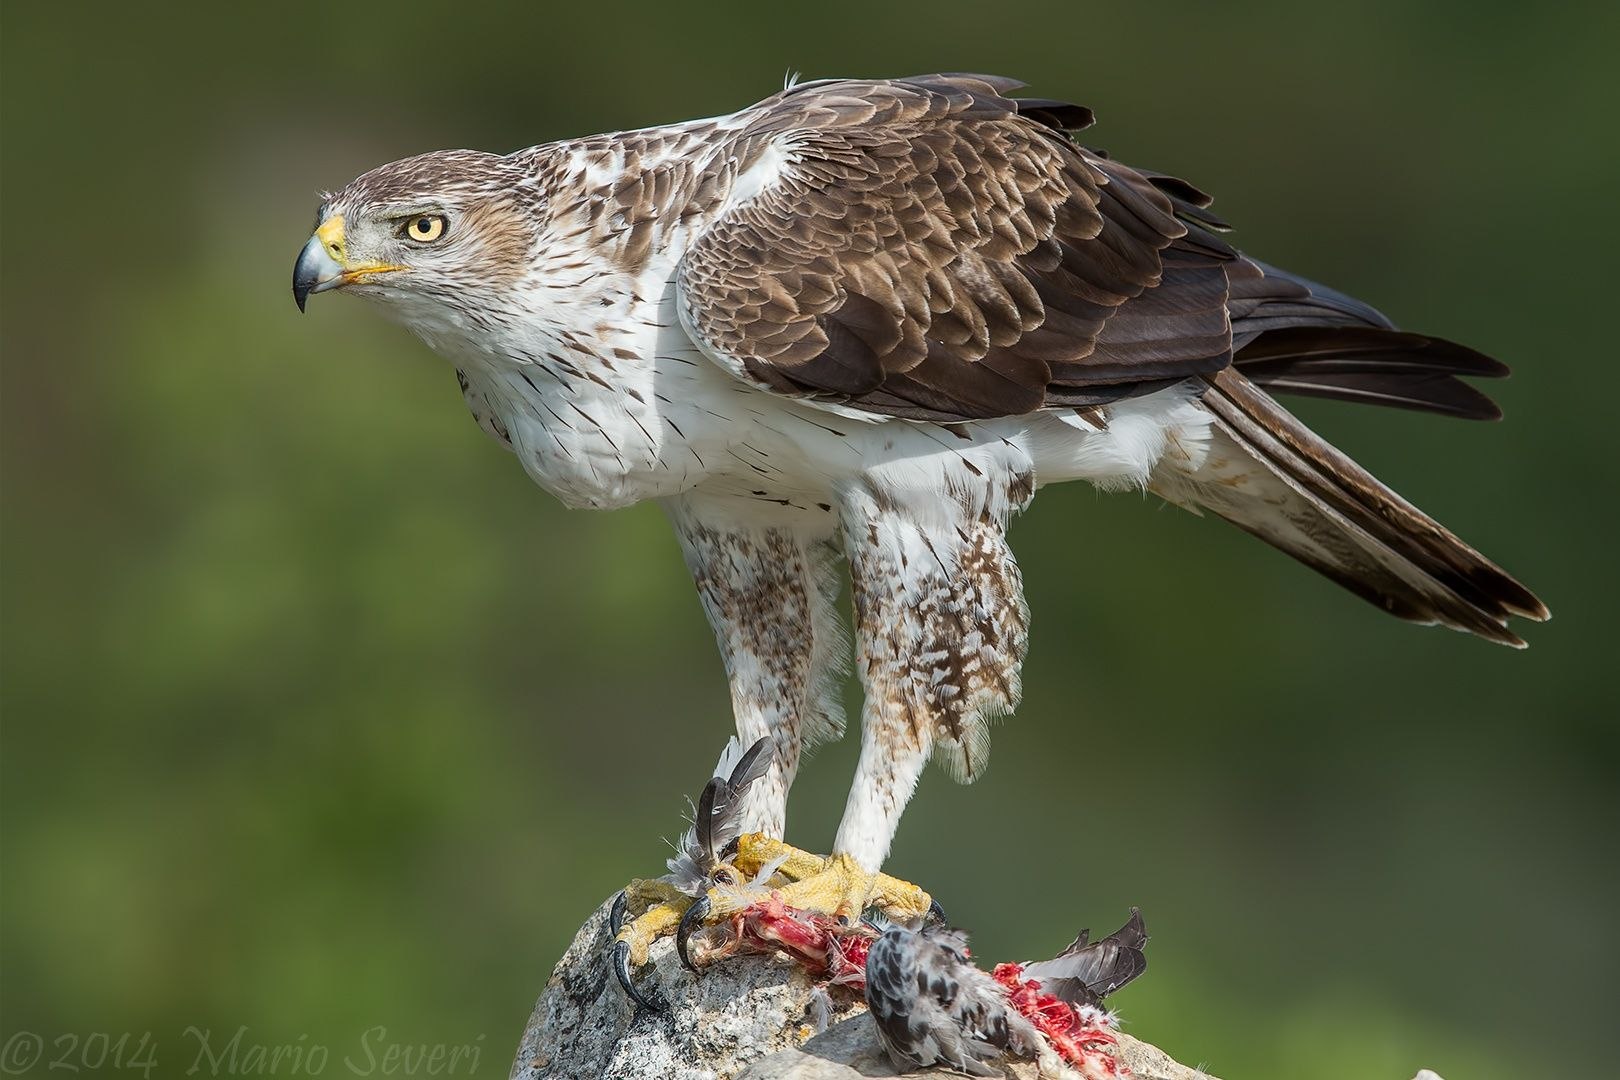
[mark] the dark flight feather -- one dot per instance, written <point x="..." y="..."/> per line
<point x="1380" y="367"/>
<point x="1088" y="971"/>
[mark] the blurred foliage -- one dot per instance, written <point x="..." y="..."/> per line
<point x="318" y="716"/>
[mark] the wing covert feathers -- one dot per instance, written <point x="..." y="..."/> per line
<point x="1274" y="478"/>
<point x="932" y="249"/>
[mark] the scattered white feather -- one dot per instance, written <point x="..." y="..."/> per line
<point x="820" y="1009"/>
<point x="768" y="872"/>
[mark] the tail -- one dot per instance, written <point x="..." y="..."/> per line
<point x="1272" y="477"/>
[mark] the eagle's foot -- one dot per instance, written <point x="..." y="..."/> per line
<point x="835" y="886"/>
<point x="707" y="859"/>
<point x="645" y="911"/>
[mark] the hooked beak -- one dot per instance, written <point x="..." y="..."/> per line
<point x="324" y="263"/>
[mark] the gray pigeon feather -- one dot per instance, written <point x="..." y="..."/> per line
<point x="1086" y="972"/>
<point x="717" y="820"/>
<point x="934" y="1007"/>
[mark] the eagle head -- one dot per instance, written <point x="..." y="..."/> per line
<point x="439" y="239"/>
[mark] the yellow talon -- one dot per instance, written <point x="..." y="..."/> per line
<point x="651" y="925"/>
<point x="657" y="907"/>
<point x="835" y="885"/>
<point x="643" y="894"/>
<point x="756" y="850"/>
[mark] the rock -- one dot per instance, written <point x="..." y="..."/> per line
<point x="747" y="1018"/>
<point x="850" y="1051"/>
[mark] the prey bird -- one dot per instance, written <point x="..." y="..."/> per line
<point x="932" y="1006"/>
<point x="870" y="319"/>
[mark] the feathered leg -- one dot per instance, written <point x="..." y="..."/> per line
<point x="942" y="629"/>
<point x="941" y="625"/>
<point x="768" y="593"/>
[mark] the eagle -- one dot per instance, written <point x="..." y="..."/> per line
<point x="866" y="321"/>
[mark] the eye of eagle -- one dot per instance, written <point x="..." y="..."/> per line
<point x="423" y="228"/>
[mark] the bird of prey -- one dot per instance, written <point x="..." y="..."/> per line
<point x="870" y="319"/>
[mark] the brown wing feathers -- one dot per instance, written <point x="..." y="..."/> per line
<point x="935" y="250"/>
<point x="940" y="251"/>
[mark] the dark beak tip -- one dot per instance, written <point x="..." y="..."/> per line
<point x="301" y="284"/>
<point x="303" y="279"/>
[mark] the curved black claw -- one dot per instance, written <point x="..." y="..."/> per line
<point x="621" y="905"/>
<point x="621" y="968"/>
<point x="690" y="922"/>
<point x="936" y="914"/>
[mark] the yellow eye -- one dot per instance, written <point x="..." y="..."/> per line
<point x="424" y="228"/>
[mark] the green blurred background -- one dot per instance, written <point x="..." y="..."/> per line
<point x="318" y="716"/>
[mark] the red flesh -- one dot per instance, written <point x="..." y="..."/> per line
<point x="827" y="948"/>
<point x="1086" y="1042"/>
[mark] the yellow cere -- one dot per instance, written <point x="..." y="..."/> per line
<point x="330" y="235"/>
